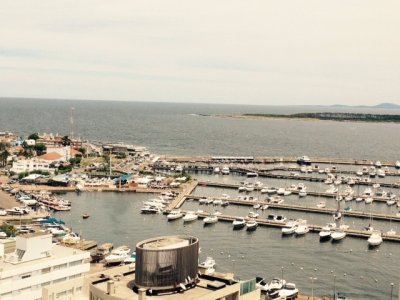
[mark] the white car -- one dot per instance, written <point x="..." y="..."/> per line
<point x="3" y="212"/>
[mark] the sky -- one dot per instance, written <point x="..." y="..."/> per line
<point x="297" y="52"/>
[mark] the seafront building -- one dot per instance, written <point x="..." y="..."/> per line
<point x="40" y="270"/>
<point x="167" y="268"/>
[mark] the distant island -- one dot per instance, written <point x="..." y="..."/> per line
<point x="381" y="105"/>
<point x="333" y="116"/>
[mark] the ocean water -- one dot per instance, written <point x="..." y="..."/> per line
<point x="185" y="129"/>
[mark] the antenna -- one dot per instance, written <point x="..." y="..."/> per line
<point x="72" y="123"/>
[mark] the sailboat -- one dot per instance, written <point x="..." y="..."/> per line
<point x="339" y="233"/>
<point x="391" y="232"/>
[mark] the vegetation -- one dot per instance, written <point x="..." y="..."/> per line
<point x="75" y="160"/>
<point x="3" y="158"/>
<point x="10" y="230"/>
<point x="33" y="136"/>
<point x="335" y="117"/>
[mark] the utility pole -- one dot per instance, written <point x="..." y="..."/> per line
<point x="71" y="134"/>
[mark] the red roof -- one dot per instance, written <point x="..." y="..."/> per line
<point x="50" y="156"/>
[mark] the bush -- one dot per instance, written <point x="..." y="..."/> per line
<point x="10" y="230"/>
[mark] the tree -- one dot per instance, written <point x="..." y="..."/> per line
<point x="33" y="136"/>
<point x="3" y="157"/>
<point x="40" y="148"/>
<point x="66" y="141"/>
<point x="10" y="230"/>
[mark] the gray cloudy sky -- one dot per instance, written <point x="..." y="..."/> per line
<point x="228" y="51"/>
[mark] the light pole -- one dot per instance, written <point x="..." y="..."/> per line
<point x="391" y="290"/>
<point x="312" y="286"/>
<point x="334" y="286"/>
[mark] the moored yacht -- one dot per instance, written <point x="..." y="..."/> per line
<point x="225" y="171"/>
<point x="326" y="231"/>
<point x="190" y="216"/>
<point x="251" y="225"/>
<point x="118" y="255"/>
<point x="239" y="223"/>
<point x="302" y="228"/>
<point x="338" y="235"/>
<point x="290" y="227"/>
<point x="174" y="214"/>
<point x="375" y="239"/>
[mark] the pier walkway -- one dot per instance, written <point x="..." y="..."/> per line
<point x="309" y="193"/>
<point x="187" y="189"/>
<point x="329" y="211"/>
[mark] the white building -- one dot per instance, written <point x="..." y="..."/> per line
<point x="40" y="270"/>
<point x="29" y="165"/>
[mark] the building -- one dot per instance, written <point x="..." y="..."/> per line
<point x="51" y="140"/>
<point x="29" y="165"/>
<point x="167" y="268"/>
<point x="40" y="270"/>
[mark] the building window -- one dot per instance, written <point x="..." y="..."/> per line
<point x="59" y="280"/>
<point x="25" y="276"/>
<point x="46" y="270"/>
<point x="75" y="263"/>
<point x="61" y="294"/>
<point x="75" y="276"/>
<point x="59" y="267"/>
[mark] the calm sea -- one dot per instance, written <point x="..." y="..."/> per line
<point x="169" y="128"/>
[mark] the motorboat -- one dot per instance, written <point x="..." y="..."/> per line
<point x="264" y="207"/>
<point x="321" y="204"/>
<point x="174" y="214"/>
<point x="281" y="191"/>
<point x="253" y="215"/>
<point x="118" y="255"/>
<point x="397" y="164"/>
<point x="130" y="259"/>
<point x="251" y="174"/>
<point x="368" y="192"/>
<point x="359" y="199"/>
<point x="148" y="209"/>
<point x="71" y="238"/>
<point x="217" y="202"/>
<point x="290" y="227"/>
<point x="341" y="296"/>
<point x="303" y="192"/>
<point x="190" y="216"/>
<point x="337" y="215"/>
<point x="304" y="160"/>
<point x="208" y="263"/>
<point x="276" y="218"/>
<point x="338" y="235"/>
<point x="302" y="228"/>
<point x="251" y="225"/>
<point x="276" y="200"/>
<point x="332" y="189"/>
<point x="391" y="202"/>
<point x="378" y="164"/>
<point x="241" y="189"/>
<point x="210" y="220"/>
<point x="264" y="190"/>
<point x="391" y="232"/>
<point x="225" y="171"/>
<point x="101" y="252"/>
<point x="257" y="206"/>
<point x="272" y="190"/>
<point x="375" y="239"/>
<point x="249" y="188"/>
<point x="381" y="173"/>
<point x="274" y="285"/>
<point x="239" y="223"/>
<point x="288" y="291"/>
<point x="369" y="200"/>
<point x="217" y="170"/>
<point x="85" y="216"/>
<point x="326" y="231"/>
<point x="203" y="201"/>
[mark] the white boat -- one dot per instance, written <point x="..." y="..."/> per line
<point x="118" y="255"/>
<point x="326" y="231"/>
<point x="257" y="206"/>
<point x="271" y="190"/>
<point x="338" y="235"/>
<point x="304" y="160"/>
<point x="281" y="191"/>
<point x="130" y="259"/>
<point x="302" y="193"/>
<point x="71" y="238"/>
<point x="378" y="164"/>
<point x="217" y="202"/>
<point x="397" y="165"/>
<point x="210" y="219"/>
<point x="208" y="263"/>
<point x="321" y="204"/>
<point x="264" y="191"/>
<point x="203" y="201"/>
<point x="251" y="174"/>
<point x="337" y="215"/>
<point x="249" y="188"/>
<point x="148" y="209"/>
<point x="251" y="225"/>
<point x="331" y="190"/>
<point x="359" y="199"/>
<point x="391" y="202"/>
<point x="302" y="228"/>
<point x="253" y="215"/>
<point x="381" y="173"/>
<point x="274" y="285"/>
<point x="290" y="227"/>
<point x="288" y="291"/>
<point x="375" y="239"/>
<point x="239" y="223"/>
<point x="225" y="171"/>
<point x="391" y="232"/>
<point x="276" y="200"/>
<point x="369" y="200"/>
<point x="190" y="216"/>
<point x="174" y="214"/>
<point x="217" y="170"/>
<point x="241" y="189"/>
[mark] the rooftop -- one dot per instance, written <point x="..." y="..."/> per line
<point x="167" y="242"/>
<point x="56" y="252"/>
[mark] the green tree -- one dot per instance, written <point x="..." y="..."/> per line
<point x="3" y="158"/>
<point x="10" y="230"/>
<point x="40" y="148"/>
<point x="66" y="141"/>
<point x="33" y="136"/>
